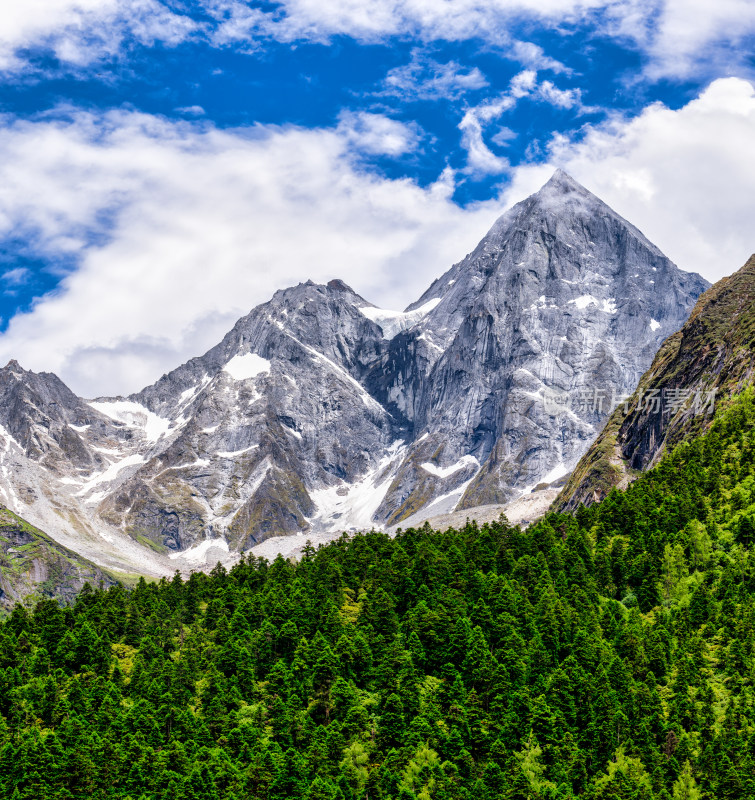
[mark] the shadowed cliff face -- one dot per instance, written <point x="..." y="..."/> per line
<point x="697" y="369"/>
<point x="320" y="412"/>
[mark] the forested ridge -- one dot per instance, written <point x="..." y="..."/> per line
<point x="608" y="654"/>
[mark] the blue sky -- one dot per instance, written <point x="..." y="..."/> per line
<point x="165" y="166"/>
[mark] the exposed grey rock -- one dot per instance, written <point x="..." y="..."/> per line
<point x="275" y="411"/>
<point x="561" y="296"/>
<point x="706" y="363"/>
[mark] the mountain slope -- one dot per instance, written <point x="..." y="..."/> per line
<point x="272" y="414"/>
<point x="33" y="565"/>
<point x="59" y="457"/>
<point x="560" y="297"/>
<point x="603" y="655"/>
<point x="708" y="360"/>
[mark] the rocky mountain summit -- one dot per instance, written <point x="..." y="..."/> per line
<point x="320" y="412"/>
<point x="562" y="299"/>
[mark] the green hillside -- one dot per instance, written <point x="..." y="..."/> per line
<point x="34" y="566"/>
<point x="609" y="654"/>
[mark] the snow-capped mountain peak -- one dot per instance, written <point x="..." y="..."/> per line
<point x="320" y="411"/>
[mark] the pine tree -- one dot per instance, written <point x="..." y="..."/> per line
<point x="392" y="723"/>
<point x="685" y="787"/>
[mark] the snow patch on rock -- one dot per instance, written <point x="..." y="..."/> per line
<point x="353" y="506"/>
<point x="247" y="366"/>
<point x="555" y="473"/>
<point x="391" y="323"/>
<point x="584" y="301"/>
<point x="135" y="416"/>
<point x="111" y="473"/>
<point x="236" y="453"/>
<point x="199" y="553"/>
<point x="200" y="462"/>
<point x="444" y="472"/>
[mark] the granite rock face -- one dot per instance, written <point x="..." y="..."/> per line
<point x="696" y="370"/>
<point x="319" y="411"/>
<point x="267" y="422"/>
<point x="562" y="299"/>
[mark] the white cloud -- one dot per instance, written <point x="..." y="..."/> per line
<point x="235" y="22"/>
<point x="684" y="177"/>
<point x="679" y="37"/>
<point x="686" y="37"/>
<point x="561" y="98"/>
<point x="426" y="20"/>
<point x="80" y="32"/>
<point x="523" y="83"/>
<point x="424" y="78"/>
<point x="533" y="56"/>
<point x="196" y="226"/>
<point x="503" y="136"/>
<point x="481" y="160"/>
<point x="16" y="276"/>
<point x="376" y="134"/>
<point x="191" y="111"/>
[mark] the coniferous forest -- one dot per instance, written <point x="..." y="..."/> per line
<point x="610" y="654"/>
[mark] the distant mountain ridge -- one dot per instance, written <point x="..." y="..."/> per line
<point x="320" y="412"/>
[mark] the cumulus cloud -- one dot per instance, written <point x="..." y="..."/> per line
<point x="523" y="83"/>
<point x="179" y="228"/>
<point x="678" y="37"/>
<point x="376" y="134"/>
<point x="427" y="20"/>
<point x="687" y="37"/>
<point x="560" y="98"/>
<point x="684" y="177"/>
<point x="79" y="32"/>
